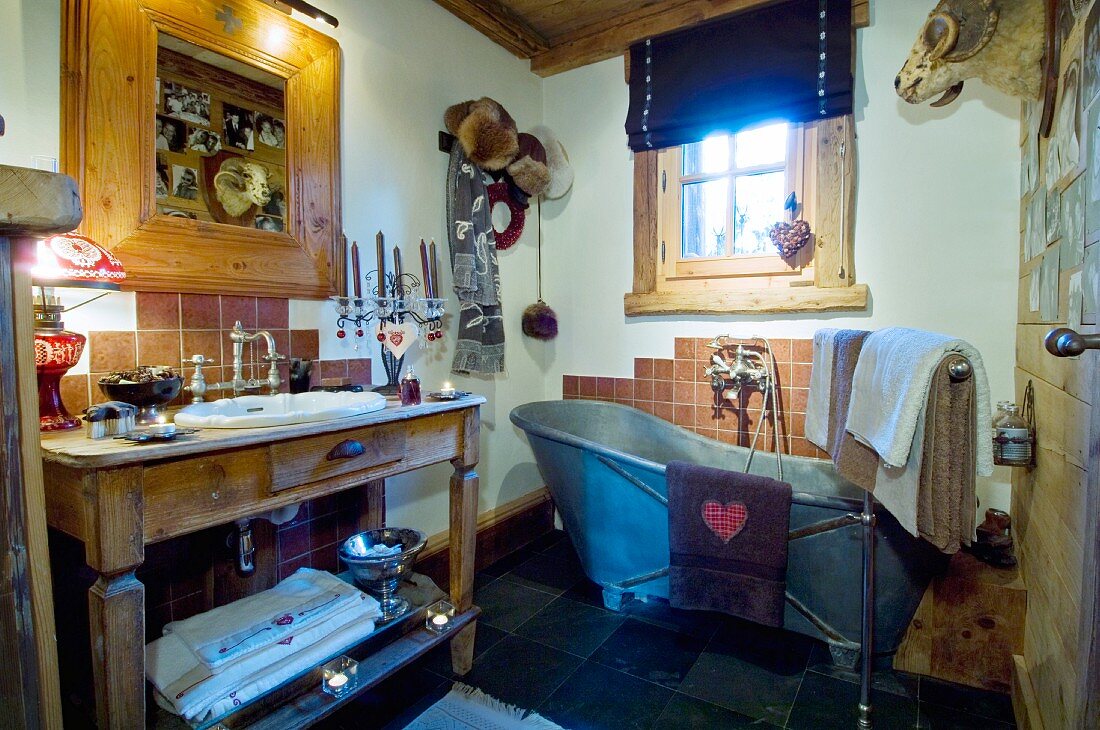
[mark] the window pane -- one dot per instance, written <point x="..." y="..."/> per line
<point x="761" y="146"/>
<point x="704" y="219"/>
<point x="710" y="155"/>
<point x="759" y="200"/>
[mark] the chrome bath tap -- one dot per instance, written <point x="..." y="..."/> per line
<point x="239" y="384"/>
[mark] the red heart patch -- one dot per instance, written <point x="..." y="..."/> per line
<point x="725" y="520"/>
<point x="396" y="337"/>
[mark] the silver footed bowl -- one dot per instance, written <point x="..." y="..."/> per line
<point x="379" y="575"/>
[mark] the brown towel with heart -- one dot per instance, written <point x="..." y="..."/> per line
<point x="727" y="537"/>
<point x="854" y="461"/>
<point x="946" y="499"/>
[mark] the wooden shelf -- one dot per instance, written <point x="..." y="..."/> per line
<point x="748" y="301"/>
<point x="300" y="702"/>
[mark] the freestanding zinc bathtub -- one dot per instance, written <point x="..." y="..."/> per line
<point x="599" y="459"/>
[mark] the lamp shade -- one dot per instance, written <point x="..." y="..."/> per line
<point x="71" y="260"/>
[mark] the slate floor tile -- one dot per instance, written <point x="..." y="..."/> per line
<point x="547" y="541"/>
<point x="750" y="669"/>
<point x="827" y="703"/>
<point x="968" y="699"/>
<point x="886" y="679"/>
<point x="688" y="713"/>
<point x="509" y="561"/>
<point x="597" y="698"/>
<point x="438" y="660"/>
<point x="650" y="652"/>
<point x="506" y="605"/>
<point x="571" y="626"/>
<point x="521" y="672"/>
<point x="548" y="573"/>
<point x="657" y="611"/>
<point x="939" y="717"/>
<point x="586" y="591"/>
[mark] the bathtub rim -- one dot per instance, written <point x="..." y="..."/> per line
<point x="529" y="426"/>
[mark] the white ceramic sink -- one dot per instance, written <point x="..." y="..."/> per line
<point x="256" y="411"/>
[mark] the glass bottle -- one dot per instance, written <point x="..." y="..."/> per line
<point x="410" y="388"/>
<point x="1012" y="446"/>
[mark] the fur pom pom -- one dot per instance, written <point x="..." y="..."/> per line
<point x="540" y="322"/>
<point x="530" y="175"/>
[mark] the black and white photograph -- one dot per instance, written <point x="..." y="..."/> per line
<point x="1092" y="195"/>
<point x="239" y="127"/>
<point x="170" y="133"/>
<point x="204" y="141"/>
<point x="276" y="205"/>
<point x="270" y="131"/>
<point x="186" y="104"/>
<point x="1064" y="149"/>
<point x="185" y="182"/>
<point x="162" y="177"/>
<point x="176" y="213"/>
<point x="269" y="223"/>
<point x="1090" y="79"/>
<point x="1073" y="224"/>
<point x="1054" y="215"/>
<point x="1035" y="225"/>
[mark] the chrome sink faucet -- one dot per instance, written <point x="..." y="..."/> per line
<point x="239" y="384"/>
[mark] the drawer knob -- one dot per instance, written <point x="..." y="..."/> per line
<point x="346" y="449"/>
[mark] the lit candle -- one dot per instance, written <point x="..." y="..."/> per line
<point x="447" y="390"/>
<point x="439" y="619"/>
<point x="337" y="680"/>
<point x="162" y="429"/>
<point x="381" y="253"/>
<point x="355" y="273"/>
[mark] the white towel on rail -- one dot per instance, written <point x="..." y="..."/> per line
<point x="194" y="692"/>
<point x="890" y="388"/>
<point x="229" y="632"/>
<point x="821" y="388"/>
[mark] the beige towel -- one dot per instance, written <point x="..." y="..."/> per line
<point x="854" y="461"/>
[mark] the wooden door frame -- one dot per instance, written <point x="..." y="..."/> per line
<point x="1087" y="712"/>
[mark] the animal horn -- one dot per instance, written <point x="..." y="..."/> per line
<point x="943" y="34"/>
<point x="949" y="96"/>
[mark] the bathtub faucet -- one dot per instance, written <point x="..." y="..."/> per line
<point x="748" y="368"/>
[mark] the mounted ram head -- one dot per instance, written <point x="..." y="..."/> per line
<point x="241" y="184"/>
<point x="1000" y="42"/>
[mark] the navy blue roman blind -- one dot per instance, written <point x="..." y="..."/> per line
<point x="789" y="61"/>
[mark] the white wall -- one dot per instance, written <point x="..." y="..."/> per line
<point x="404" y="63"/>
<point x="936" y="219"/>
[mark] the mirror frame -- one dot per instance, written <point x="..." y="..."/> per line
<point x="108" y="72"/>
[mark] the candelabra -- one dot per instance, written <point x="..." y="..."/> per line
<point x="398" y="304"/>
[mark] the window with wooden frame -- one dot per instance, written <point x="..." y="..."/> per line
<point x="702" y="213"/>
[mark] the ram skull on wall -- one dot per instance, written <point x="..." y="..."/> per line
<point x="1001" y="42"/>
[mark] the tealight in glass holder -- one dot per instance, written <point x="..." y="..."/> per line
<point x="439" y="617"/>
<point x="339" y="676"/>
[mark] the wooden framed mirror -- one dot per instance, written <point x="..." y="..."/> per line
<point x="210" y="69"/>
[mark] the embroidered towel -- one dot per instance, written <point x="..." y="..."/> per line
<point x="191" y="688"/>
<point x="890" y="387"/>
<point x="229" y="632"/>
<point x="727" y="534"/>
<point x="821" y="382"/>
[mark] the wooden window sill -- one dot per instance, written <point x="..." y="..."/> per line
<point x="772" y="300"/>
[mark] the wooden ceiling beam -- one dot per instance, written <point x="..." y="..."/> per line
<point x="601" y="41"/>
<point x="500" y="23"/>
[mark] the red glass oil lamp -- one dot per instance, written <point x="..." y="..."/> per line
<point x="67" y="260"/>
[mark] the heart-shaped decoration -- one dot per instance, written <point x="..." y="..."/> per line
<point x="399" y="337"/>
<point x="725" y="520"/>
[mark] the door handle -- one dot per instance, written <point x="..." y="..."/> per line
<point x="1064" y="342"/>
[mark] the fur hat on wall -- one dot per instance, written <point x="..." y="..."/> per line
<point x="557" y="160"/>
<point x="485" y="130"/>
<point x="529" y="170"/>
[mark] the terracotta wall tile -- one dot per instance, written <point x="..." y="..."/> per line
<point x="662" y="391"/>
<point x="158" y="311"/>
<point x="781" y="349"/>
<point x="624" y="388"/>
<point x="200" y="311"/>
<point x="683" y="415"/>
<point x="802" y="351"/>
<point x="294" y="542"/>
<point x="238" y="309"/>
<point x="570" y="385"/>
<point x="662" y="369"/>
<point x="643" y="368"/>
<point x="705" y="395"/>
<point x="663" y="410"/>
<point x="272" y="313"/>
<point x="325" y="559"/>
<point x="286" y="569"/>
<point x="643" y="390"/>
<point x="645" y="406"/>
<point x="112" y="351"/>
<point x="203" y="342"/>
<point x="74" y="393"/>
<point x="686" y="371"/>
<point x="159" y="348"/>
<point x="359" y="370"/>
<point x="799" y="397"/>
<point x="683" y="393"/>
<point x="305" y="344"/>
<point x="800" y="375"/>
<point x="586" y="386"/>
<point x="605" y="387"/>
<point x="684" y="348"/>
<point x="332" y="368"/>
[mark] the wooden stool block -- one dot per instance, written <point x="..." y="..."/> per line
<point x="969" y="624"/>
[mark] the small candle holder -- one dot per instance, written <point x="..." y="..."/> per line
<point x="339" y="676"/>
<point x="439" y="617"/>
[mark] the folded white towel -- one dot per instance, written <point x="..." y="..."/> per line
<point x="821" y="388"/>
<point x="192" y="689"/>
<point x="229" y="632"/>
<point x="890" y="388"/>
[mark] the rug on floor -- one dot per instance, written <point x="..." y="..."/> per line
<point x="468" y="707"/>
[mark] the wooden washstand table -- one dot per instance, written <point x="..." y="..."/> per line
<point x="117" y="498"/>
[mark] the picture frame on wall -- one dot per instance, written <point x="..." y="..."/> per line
<point x="1090" y="77"/>
<point x="171" y="134"/>
<point x="187" y="104"/>
<point x="203" y="141"/>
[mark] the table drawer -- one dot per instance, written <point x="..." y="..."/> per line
<point x="307" y="460"/>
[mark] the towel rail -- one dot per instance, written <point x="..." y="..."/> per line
<point x="960" y="369"/>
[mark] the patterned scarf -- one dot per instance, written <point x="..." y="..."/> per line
<point x="480" y="347"/>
